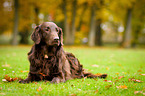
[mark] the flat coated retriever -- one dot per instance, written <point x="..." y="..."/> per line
<point x="48" y="60"/>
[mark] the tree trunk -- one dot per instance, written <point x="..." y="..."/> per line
<point x="73" y="29"/>
<point x="135" y="37"/>
<point x="92" y="32"/>
<point x="66" y="25"/>
<point x="24" y="36"/>
<point x="36" y="9"/>
<point x="81" y="16"/>
<point x="15" y="30"/>
<point x="98" y="40"/>
<point x="69" y="35"/>
<point x="126" y="43"/>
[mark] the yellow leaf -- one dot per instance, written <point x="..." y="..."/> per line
<point x="139" y="71"/>
<point x="98" y="74"/>
<point x="37" y="90"/>
<point x="24" y="71"/>
<point x="107" y="68"/>
<point x="122" y="87"/>
<point x="96" y="91"/>
<point x="117" y="73"/>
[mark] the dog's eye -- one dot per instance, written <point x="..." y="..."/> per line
<point x="47" y="29"/>
<point x="56" y="29"/>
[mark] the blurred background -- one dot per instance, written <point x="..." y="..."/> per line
<point x="84" y="22"/>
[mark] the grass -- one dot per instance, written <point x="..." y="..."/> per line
<point x="129" y="63"/>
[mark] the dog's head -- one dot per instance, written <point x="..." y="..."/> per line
<point x="49" y="33"/>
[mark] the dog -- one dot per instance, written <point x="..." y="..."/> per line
<point x="49" y="61"/>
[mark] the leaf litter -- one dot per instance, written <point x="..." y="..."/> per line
<point x="9" y="79"/>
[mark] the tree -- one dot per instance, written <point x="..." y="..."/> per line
<point x="16" y="16"/>
<point x="98" y="37"/>
<point x="73" y="28"/>
<point x="92" y="32"/>
<point x="95" y="34"/>
<point x="69" y="27"/>
<point x="66" y="25"/>
<point x="126" y="43"/>
<point x="138" y="21"/>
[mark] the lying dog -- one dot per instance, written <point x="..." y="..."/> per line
<point x="48" y="60"/>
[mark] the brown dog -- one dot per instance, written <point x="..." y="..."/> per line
<point x="48" y="61"/>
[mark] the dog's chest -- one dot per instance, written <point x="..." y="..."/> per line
<point x="49" y="65"/>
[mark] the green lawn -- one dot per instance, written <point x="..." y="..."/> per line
<point x="119" y="64"/>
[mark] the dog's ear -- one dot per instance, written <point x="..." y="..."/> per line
<point x="60" y="34"/>
<point x="35" y="36"/>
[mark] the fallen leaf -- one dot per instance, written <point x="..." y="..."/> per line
<point x="117" y="73"/>
<point x="9" y="89"/>
<point x="88" y="84"/>
<point x="2" y="93"/>
<point x="108" y="86"/>
<point x="39" y="89"/>
<point x="107" y="81"/>
<point x="95" y="65"/>
<point x="142" y="74"/>
<point x="139" y="71"/>
<point x="6" y="65"/>
<point x="95" y="79"/>
<point x="49" y="90"/>
<point x="4" y="80"/>
<point x="96" y="91"/>
<point x="73" y="95"/>
<point x="7" y="78"/>
<point x="122" y="87"/>
<point x="10" y="79"/>
<point x="124" y="72"/>
<point x="35" y="82"/>
<point x="24" y="71"/>
<point x="119" y="65"/>
<point x="139" y="81"/>
<point x="138" y="92"/>
<point x="120" y="77"/>
<point x="116" y="81"/>
<point x="135" y="80"/>
<point x="79" y="89"/>
<point x="107" y="68"/>
<point x="98" y="74"/>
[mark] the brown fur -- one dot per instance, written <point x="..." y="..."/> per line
<point x="48" y="61"/>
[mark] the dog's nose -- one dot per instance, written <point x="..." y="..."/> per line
<point x="56" y="38"/>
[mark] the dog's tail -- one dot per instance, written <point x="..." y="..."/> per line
<point x="90" y="75"/>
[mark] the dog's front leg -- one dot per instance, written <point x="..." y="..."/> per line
<point x="27" y="80"/>
<point x="57" y="80"/>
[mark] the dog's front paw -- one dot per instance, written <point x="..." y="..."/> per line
<point x="57" y="80"/>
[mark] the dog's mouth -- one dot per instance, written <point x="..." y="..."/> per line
<point x="55" y="43"/>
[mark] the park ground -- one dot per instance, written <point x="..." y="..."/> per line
<point x="125" y="69"/>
